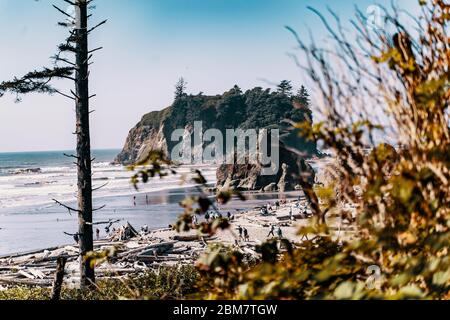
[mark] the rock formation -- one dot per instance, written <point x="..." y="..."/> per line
<point x="248" y="176"/>
<point x="255" y="109"/>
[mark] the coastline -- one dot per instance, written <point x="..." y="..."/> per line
<point x="180" y="248"/>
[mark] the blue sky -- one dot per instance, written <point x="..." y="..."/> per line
<point x="148" y="45"/>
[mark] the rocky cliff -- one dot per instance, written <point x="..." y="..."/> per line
<point x="249" y="177"/>
<point x="255" y="109"/>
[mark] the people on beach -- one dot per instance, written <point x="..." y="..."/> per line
<point x="279" y="233"/>
<point x="272" y="231"/>
<point x="97" y="233"/>
<point x="76" y="238"/>
<point x="240" y="230"/>
<point x="207" y="216"/>
<point x="277" y="205"/>
<point x="134" y="201"/>
<point x="229" y="215"/>
<point x="291" y="214"/>
<point x="246" y="235"/>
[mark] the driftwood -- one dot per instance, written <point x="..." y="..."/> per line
<point x="151" y="258"/>
<point x="26" y="282"/>
<point x="288" y="217"/>
<point x="188" y="238"/>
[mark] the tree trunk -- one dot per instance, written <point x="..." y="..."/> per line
<point x="59" y="278"/>
<point x="84" y="147"/>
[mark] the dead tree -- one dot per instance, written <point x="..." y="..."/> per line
<point x="77" y="71"/>
<point x="59" y="278"/>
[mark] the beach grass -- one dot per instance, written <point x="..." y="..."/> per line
<point x="165" y="283"/>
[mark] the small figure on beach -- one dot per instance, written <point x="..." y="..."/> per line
<point x="240" y="232"/>
<point x="272" y="231"/>
<point x="229" y="215"/>
<point x="97" y="233"/>
<point x="76" y="238"/>
<point x="280" y="233"/>
<point x="146" y="199"/>
<point x="194" y="220"/>
<point x="277" y="205"/>
<point x="134" y="201"/>
<point x="246" y="236"/>
<point x="207" y="216"/>
<point x="291" y="214"/>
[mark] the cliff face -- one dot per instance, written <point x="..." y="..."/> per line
<point x="248" y="177"/>
<point x="254" y="109"/>
<point x="148" y="134"/>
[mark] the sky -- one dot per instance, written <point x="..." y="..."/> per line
<point x="148" y="45"/>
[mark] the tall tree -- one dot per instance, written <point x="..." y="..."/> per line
<point x="285" y="87"/>
<point x="77" y="71"/>
<point x="303" y="96"/>
<point x="180" y="88"/>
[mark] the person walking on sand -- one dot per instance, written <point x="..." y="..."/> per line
<point x="134" y="201"/>
<point x="291" y="214"/>
<point x="97" y="232"/>
<point x="240" y="232"/>
<point x="280" y="233"/>
<point x="246" y="236"/>
<point x="272" y="231"/>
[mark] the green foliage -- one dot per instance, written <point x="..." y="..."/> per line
<point x="285" y="88"/>
<point x="165" y="283"/>
<point x="254" y="109"/>
<point x="401" y="198"/>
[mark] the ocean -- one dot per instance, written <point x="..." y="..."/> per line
<point x="29" y="218"/>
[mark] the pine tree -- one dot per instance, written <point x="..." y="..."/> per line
<point x="303" y="96"/>
<point x="285" y="87"/>
<point x="78" y="72"/>
<point x="180" y="88"/>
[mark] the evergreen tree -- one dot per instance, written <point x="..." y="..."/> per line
<point x="180" y="88"/>
<point x="285" y="87"/>
<point x="303" y="96"/>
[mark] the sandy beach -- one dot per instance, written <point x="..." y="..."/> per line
<point x="162" y="247"/>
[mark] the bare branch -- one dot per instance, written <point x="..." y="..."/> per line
<point x="96" y="49"/>
<point x="64" y="95"/>
<point x="67" y="207"/>
<point x="98" y="25"/>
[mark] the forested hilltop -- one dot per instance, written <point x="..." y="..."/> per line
<point x="254" y="109"/>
